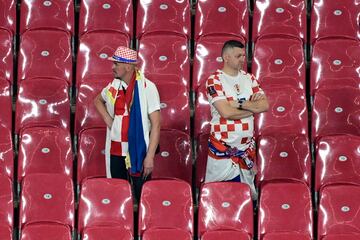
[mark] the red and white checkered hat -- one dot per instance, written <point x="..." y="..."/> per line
<point x="124" y="55"/>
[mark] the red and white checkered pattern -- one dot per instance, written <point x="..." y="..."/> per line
<point x="129" y="55"/>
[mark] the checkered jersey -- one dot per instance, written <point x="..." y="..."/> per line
<point x="220" y="86"/>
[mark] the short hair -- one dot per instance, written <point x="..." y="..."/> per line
<point x="231" y="44"/>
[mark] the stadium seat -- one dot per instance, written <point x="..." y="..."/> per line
<point x="336" y="111"/>
<point x="106" y="232"/>
<point x="47" y="15"/>
<point x="106" y="202"/>
<point x="6" y="104"/>
<point x="8" y="15"/>
<point x="222" y="17"/>
<point x="225" y="235"/>
<point x="287" y="236"/>
<point x="279" y="17"/>
<point x="114" y="15"/>
<point x="6" y="56"/>
<point x="339" y="210"/>
<point x="165" y="58"/>
<point x="283" y="157"/>
<point x="174" y="159"/>
<point x="337" y="160"/>
<point x="201" y="158"/>
<point x="207" y="57"/>
<point x="225" y="206"/>
<point x="280" y="211"/>
<point x="47" y="198"/>
<point x="202" y="115"/>
<point x="44" y="150"/>
<point x="6" y="233"/>
<point x="93" y="51"/>
<point x="279" y="61"/>
<point x="91" y="154"/>
<point x="175" y="109"/>
<point x="39" y="48"/>
<point x="6" y="206"/>
<point x="45" y="231"/>
<point x="334" y="18"/>
<point x="6" y="152"/>
<point x="341" y="236"/>
<point x="166" y="204"/>
<point x="174" y="15"/>
<point x="86" y="115"/>
<point x="43" y="102"/>
<point x="287" y="113"/>
<point x="165" y="234"/>
<point x="334" y="66"/>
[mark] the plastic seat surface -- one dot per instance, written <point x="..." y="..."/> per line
<point x="337" y="160"/>
<point x="8" y="15"/>
<point x="44" y="150"/>
<point x="166" y="204"/>
<point x="201" y="158"/>
<point x="47" y="15"/>
<point x="6" y="56"/>
<point x="6" y="205"/>
<point x="279" y="17"/>
<point x="279" y="61"/>
<point x="224" y="235"/>
<point x="283" y="157"/>
<point x="50" y="48"/>
<point x="44" y="231"/>
<point x="6" y="104"/>
<point x="107" y="232"/>
<point x="42" y="102"/>
<point x="174" y="15"/>
<point x="174" y="159"/>
<point x="164" y="234"/>
<point x="95" y="15"/>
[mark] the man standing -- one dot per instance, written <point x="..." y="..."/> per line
<point x="130" y="107"/>
<point x="234" y="96"/>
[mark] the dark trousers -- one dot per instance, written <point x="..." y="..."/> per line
<point x="118" y="170"/>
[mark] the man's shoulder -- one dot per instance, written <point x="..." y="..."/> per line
<point x="247" y="75"/>
<point x="214" y="77"/>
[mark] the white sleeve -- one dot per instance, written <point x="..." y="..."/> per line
<point x="152" y="96"/>
<point x="103" y="92"/>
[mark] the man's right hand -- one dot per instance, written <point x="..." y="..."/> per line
<point x="109" y="121"/>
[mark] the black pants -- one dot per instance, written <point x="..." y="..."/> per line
<point x="118" y="170"/>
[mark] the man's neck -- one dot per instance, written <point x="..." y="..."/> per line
<point x="127" y="77"/>
<point x="230" y="71"/>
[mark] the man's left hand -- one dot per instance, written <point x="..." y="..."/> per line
<point x="148" y="166"/>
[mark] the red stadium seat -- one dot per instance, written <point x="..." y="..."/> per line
<point x="166" y="204"/>
<point x="6" y="206"/>
<point x="8" y="15"/>
<point x="225" y="235"/>
<point x="202" y="112"/>
<point x="285" y="207"/>
<point x="208" y="58"/>
<point x="94" y="49"/>
<point x="106" y="202"/>
<point x="287" y="236"/>
<point x="174" y="15"/>
<point x="47" y="15"/>
<point x="279" y="61"/>
<point x="6" y="55"/>
<point x="225" y="206"/>
<point x="222" y="17"/>
<point x="339" y="210"/>
<point x="201" y="158"/>
<point x="6" y="152"/>
<point x="6" y="104"/>
<point x="341" y="236"/>
<point x="283" y="157"/>
<point x="106" y="232"/>
<point x="44" y="150"/>
<point x="165" y="58"/>
<point x="335" y="18"/>
<point x="337" y="160"/>
<point x="45" y="231"/>
<point x="334" y="66"/>
<point x="165" y="234"/>
<point x="47" y="198"/>
<point x="86" y="115"/>
<point x="6" y="233"/>
<point x="336" y="111"/>
<point x="279" y="17"/>
<point x="91" y="154"/>
<point x="287" y="113"/>
<point x="114" y="15"/>
<point x="175" y="109"/>
<point x="43" y="102"/>
<point x="174" y="159"/>
<point x="39" y="48"/>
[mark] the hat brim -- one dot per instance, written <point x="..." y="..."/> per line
<point x="115" y="60"/>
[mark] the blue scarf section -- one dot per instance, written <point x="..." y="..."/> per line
<point x="137" y="144"/>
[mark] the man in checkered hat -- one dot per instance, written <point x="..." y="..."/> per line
<point x="235" y="96"/>
<point x="130" y="107"/>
